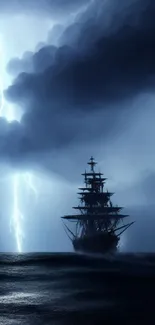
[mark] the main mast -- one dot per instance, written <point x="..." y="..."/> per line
<point x="96" y="211"/>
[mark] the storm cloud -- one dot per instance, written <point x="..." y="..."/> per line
<point x="72" y="92"/>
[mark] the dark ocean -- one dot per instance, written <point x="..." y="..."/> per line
<point x="77" y="289"/>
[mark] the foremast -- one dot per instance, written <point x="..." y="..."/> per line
<point x="96" y="211"/>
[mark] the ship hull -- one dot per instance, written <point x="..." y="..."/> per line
<point x="100" y="243"/>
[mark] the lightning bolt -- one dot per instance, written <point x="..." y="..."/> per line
<point x="17" y="216"/>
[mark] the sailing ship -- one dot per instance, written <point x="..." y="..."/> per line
<point x="99" y="224"/>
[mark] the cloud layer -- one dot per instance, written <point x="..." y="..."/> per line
<point x="54" y="8"/>
<point x="75" y="92"/>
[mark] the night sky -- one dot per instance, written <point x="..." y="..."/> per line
<point x="79" y="77"/>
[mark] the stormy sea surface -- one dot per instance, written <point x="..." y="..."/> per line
<point x="77" y="289"/>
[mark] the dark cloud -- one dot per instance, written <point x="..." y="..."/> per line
<point x="14" y="142"/>
<point x="69" y="91"/>
<point x="118" y="64"/>
<point x="54" y="8"/>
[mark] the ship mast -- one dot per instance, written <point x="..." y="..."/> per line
<point x="96" y="211"/>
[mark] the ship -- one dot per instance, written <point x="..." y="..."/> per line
<point x="98" y="226"/>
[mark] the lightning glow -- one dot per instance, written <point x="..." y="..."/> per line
<point x="28" y="180"/>
<point x="6" y="111"/>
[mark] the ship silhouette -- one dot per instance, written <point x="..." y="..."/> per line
<point x="99" y="224"/>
